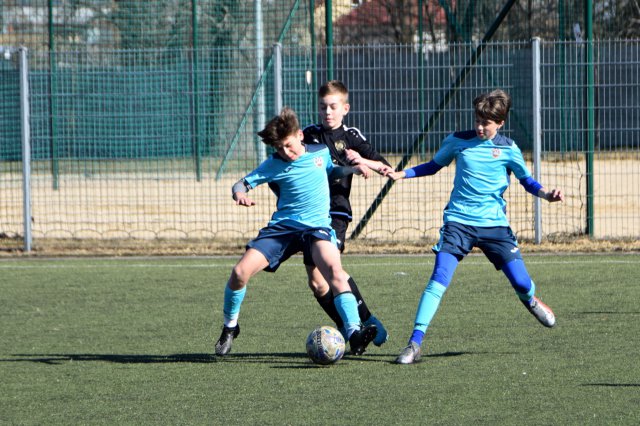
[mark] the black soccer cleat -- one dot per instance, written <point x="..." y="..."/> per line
<point x="223" y="345"/>
<point x="360" y="339"/>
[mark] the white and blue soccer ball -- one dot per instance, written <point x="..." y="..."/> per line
<point x="325" y="345"/>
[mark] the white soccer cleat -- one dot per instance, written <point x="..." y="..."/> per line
<point x="542" y="312"/>
<point x="409" y="354"/>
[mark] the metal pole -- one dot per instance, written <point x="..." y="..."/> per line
<point x="537" y="136"/>
<point x="277" y="77"/>
<point x="196" y="89"/>
<point x="53" y="128"/>
<point x="590" y="115"/>
<point x="311" y="75"/>
<point x="26" y="147"/>
<point x="328" y="14"/>
<point x="259" y="119"/>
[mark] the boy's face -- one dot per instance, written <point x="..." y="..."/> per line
<point x="333" y="108"/>
<point x="487" y="129"/>
<point x="290" y="148"/>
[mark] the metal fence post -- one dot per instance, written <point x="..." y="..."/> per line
<point x="277" y="77"/>
<point x="537" y="135"/>
<point x="259" y="115"/>
<point x="26" y="147"/>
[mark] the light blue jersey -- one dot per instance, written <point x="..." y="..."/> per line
<point x="301" y="186"/>
<point x="482" y="176"/>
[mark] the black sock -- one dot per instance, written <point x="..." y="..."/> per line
<point x="363" y="310"/>
<point x="327" y="304"/>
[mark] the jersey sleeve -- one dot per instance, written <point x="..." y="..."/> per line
<point x="262" y="174"/>
<point x="327" y="159"/>
<point x="517" y="164"/>
<point x="447" y="152"/>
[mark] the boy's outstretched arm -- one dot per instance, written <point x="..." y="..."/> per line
<point x="378" y="166"/>
<point x="239" y="193"/>
<point x="551" y="196"/>
<point x="535" y="188"/>
<point x="341" y="171"/>
<point x="425" y="169"/>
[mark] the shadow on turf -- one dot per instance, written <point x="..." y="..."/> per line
<point x="299" y="359"/>
<point x="55" y="359"/>
<point x="613" y="385"/>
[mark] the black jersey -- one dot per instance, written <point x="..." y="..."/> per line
<point x="339" y="140"/>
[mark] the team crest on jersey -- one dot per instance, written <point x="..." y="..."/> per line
<point x="340" y="145"/>
<point x="495" y="152"/>
<point x="318" y="161"/>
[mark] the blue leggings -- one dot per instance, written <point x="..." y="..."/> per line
<point x="445" y="266"/>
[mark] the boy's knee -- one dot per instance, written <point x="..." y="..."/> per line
<point x="239" y="277"/>
<point x="319" y="288"/>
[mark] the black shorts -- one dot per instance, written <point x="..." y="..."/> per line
<point x="340" y="225"/>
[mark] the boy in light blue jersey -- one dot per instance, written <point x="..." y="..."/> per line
<point x="476" y="213"/>
<point x="297" y="174"/>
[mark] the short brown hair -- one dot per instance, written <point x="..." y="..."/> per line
<point x="280" y="127"/>
<point x="333" y="87"/>
<point x="493" y="106"/>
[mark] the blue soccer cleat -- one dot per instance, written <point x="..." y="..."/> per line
<point x="382" y="335"/>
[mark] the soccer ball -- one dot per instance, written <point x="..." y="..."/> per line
<point x="325" y="345"/>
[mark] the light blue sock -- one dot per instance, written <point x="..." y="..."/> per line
<point x="427" y="308"/>
<point x="348" y="309"/>
<point x="528" y="296"/>
<point x="232" y="301"/>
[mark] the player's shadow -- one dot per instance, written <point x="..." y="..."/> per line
<point x="288" y="360"/>
<point x="56" y="359"/>
<point x="613" y="385"/>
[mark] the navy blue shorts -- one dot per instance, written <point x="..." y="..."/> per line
<point x="279" y="242"/>
<point x="498" y="243"/>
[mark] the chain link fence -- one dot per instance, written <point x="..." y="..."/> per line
<point x="131" y="161"/>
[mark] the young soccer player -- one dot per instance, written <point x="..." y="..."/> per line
<point x="297" y="174"/>
<point x="347" y="147"/>
<point x="475" y="215"/>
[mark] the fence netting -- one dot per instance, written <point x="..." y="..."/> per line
<point x="150" y="150"/>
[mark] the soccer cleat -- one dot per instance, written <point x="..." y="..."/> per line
<point x="542" y="312"/>
<point x="382" y="336"/>
<point x="360" y="339"/>
<point x="223" y="345"/>
<point x="409" y="354"/>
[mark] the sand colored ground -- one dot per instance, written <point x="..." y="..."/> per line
<point x="141" y="212"/>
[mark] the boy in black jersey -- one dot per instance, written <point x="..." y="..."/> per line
<point x="348" y="147"/>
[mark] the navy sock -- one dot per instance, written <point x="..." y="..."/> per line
<point x="417" y="337"/>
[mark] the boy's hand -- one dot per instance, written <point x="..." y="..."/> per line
<point x="353" y="157"/>
<point x="242" y="199"/>
<point x="384" y="170"/>
<point x="396" y="175"/>
<point x="554" y="195"/>
<point x="362" y="170"/>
